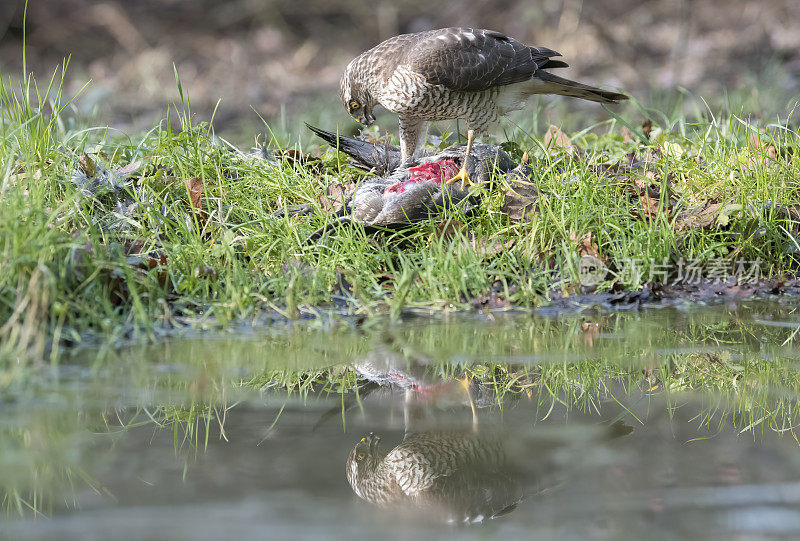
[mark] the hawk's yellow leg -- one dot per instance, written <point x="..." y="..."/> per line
<point x="462" y="174"/>
<point x="466" y="382"/>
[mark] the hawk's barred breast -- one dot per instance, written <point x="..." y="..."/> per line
<point x="407" y="93"/>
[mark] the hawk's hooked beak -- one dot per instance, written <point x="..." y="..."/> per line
<point x="369" y="118"/>
<point x="372" y="440"/>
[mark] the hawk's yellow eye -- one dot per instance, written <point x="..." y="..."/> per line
<point x="360" y="456"/>
<point x="354" y="105"/>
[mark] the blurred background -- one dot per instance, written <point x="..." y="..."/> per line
<point x="282" y="59"/>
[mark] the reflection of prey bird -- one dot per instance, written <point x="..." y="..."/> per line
<point x="385" y="370"/>
<point x="453" y="73"/>
<point x="455" y="475"/>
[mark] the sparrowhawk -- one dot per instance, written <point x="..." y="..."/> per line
<point x="456" y="476"/>
<point x="453" y="73"/>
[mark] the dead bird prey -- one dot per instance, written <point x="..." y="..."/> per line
<point x="413" y="191"/>
<point x="453" y="73"/>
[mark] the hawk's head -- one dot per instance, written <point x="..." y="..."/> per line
<point x="355" y="96"/>
<point x="362" y="466"/>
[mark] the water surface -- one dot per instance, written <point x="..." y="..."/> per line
<point x="676" y="422"/>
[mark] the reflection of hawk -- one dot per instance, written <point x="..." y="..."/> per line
<point x="464" y="73"/>
<point x="455" y="475"/>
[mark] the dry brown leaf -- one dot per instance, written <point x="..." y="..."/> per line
<point x="585" y="245"/>
<point x="647" y="127"/>
<point x="650" y="199"/>
<point x="627" y="137"/>
<point x="701" y="217"/>
<point x="149" y="261"/>
<point x="117" y="290"/>
<point x="555" y="140"/>
<point x="647" y="186"/>
<point x="448" y="230"/>
<point x="644" y="181"/>
<point x="756" y="162"/>
<point x="132" y="247"/>
<point x="325" y="203"/>
<point x="591" y="330"/>
<point x="763" y="153"/>
<point x="127" y="170"/>
<point x="792" y="211"/>
<point x="761" y="146"/>
<point x="695" y="199"/>
<point x="333" y="198"/>
<point x="520" y="199"/>
<point x="649" y="204"/>
<point x="386" y="280"/>
<point x="87" y="165"/>
<point x="195" y="186"/>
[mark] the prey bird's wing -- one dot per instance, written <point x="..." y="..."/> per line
<point x="469" y="59"/>
<point x="368" y="156"/>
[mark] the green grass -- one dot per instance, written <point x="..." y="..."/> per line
<point x="67" y="255"/>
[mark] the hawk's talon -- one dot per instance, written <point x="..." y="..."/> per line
<point x="463" y="177"/>
<point x="466" y="383"/>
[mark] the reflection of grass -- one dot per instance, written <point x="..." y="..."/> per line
<point x="340" y="380"/>
<point x="191" y="424"/>
<point x="734" y="367"/>
<point x="42" y="463"/>
<point x="44" y="454"/>
<point x="750" y="393"/>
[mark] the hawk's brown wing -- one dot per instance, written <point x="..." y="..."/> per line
<point x="468" y="59"/>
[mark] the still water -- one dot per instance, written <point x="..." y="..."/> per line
<point x="667" y="423"/>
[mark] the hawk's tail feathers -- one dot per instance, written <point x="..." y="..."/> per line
<point x="542" y="56"/>
<point x="553" y="84"/>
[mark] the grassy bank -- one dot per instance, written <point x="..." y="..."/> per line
<point x="121" y="235"/>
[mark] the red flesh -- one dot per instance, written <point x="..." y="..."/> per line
<point x="433" y="171"/>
